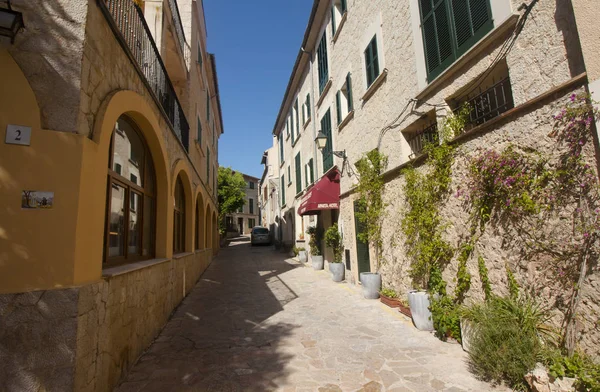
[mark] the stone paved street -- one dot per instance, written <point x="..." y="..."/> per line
<point x="257" y="322"/>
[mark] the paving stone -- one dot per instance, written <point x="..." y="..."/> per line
<point x="258" y="322"/>
<point x="330" y="388"/>
<point x="372" y="386"/>
<point x="437" y="384"/>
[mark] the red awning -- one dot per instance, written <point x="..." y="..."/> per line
<point x="324" y="195"/>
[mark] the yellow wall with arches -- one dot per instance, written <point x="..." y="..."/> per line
<point x="63" y="246"/>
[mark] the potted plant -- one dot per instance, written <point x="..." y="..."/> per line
<point x="370" y="214"/>
<point x="302" y="256"/>
<point x="315" y="251"/>
<point x="333" y="240"/>
<point x="404" y="307"/>
<point x="389" y="297"/>
<point x="420" y="308"/>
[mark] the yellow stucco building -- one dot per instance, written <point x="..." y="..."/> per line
<point x="108" y="212"/>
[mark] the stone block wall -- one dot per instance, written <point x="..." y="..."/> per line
<point x="86" y="338"/>
<point x="38" y="340"/>
<point x="527" y="132"/>
<point x="49" y="52"/>
<point x="121" y="315"/>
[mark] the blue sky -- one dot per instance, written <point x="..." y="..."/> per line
<point x="255" y="44"/>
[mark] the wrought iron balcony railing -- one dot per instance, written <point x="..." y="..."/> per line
<point x="185" y="48"/>
<point x="417" y="141"/>
<point x="491" y="103"/>
<point x="129" y="25"/>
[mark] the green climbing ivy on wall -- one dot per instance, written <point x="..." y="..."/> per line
<point x="370" y="203"/>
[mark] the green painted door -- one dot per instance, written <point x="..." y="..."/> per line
<point x="362" y="248"/>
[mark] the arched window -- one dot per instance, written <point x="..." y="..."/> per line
<point x="199" y="223"/>
<point x="131" y="203"/>
<point x="179" y="219"/>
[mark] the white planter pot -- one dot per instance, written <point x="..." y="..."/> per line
<point x="337" y="271"/>
<point x="466" y="333"/>
<point x="419" y="307"/>
<point x="302" y="256"/>
<point x="371" y="284"/>
<point x="317" y="262"/>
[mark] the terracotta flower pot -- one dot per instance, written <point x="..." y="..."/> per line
<point x="389" y="301"/>
<point x="405" y="310"/>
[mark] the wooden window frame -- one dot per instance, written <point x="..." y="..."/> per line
<point x="179" y="211"/>
<point x="117" y="179"/>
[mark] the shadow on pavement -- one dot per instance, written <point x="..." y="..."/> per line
<point x="220" y="338"/>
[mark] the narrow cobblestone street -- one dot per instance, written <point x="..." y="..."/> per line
<point x="256" y="321"/>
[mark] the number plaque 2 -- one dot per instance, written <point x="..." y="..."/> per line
<point x="17" y="134"/>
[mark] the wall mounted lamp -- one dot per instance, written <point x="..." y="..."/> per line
<point x="321" y="141"/>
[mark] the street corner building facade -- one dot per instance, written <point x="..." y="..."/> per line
<point x="248" y="215"/>
<point x="111" y="114"/>
<point x="383" y="75"/>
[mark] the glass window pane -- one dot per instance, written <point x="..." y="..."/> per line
<point x="117" y="222"/>
<point x="179" y="195"/>
<point x="149" y="185"/>
<point x="134" y="224"/>
<point x="149" y="227"/>
<point x="128" y="150"/>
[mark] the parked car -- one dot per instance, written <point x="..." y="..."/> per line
<point x="260" y="235"/>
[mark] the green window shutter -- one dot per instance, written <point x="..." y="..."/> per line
<point x="312" y="173"/>
<point x="322" y="63"/>
<point x="207" y="165"/>
<point x="199" y="54"/>
<point x="297" y="118"/>
<point x="298" y="174"/>
<point x="283" y="190"/>
<point x="372" y="61"/>
<point x="326" y="128"/>
<point x="338" y="107"/>
<point x="436" y="36"/>
<point x="308" y="105"/>
<point x="472" y="20"/>
<point x="450" y="28"/>
<point x="344" y="6"/>
<point x="292" y="125"/>
<point x="303" y="116"/>
<point x="333" y="20"/>
<point x="349" y="89"/>
<point x="251" y="205"/>
<point x="199" y="132"/>
<point x="289" y="174"/>
<point x="207" y="107"/>
<point x="281" y="157"/>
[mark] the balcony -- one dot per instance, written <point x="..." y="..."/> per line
<point x="128" y="23"/>
<point x="417" y="141"/>
<point x="490" y="103"/>
<point x="175" y="49"/>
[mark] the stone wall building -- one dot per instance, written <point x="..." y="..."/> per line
<point x="268" y="193"/>
<point x="111" y="108"/>
<point x="384" y="75"/>
<point x="247" y="216"/>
